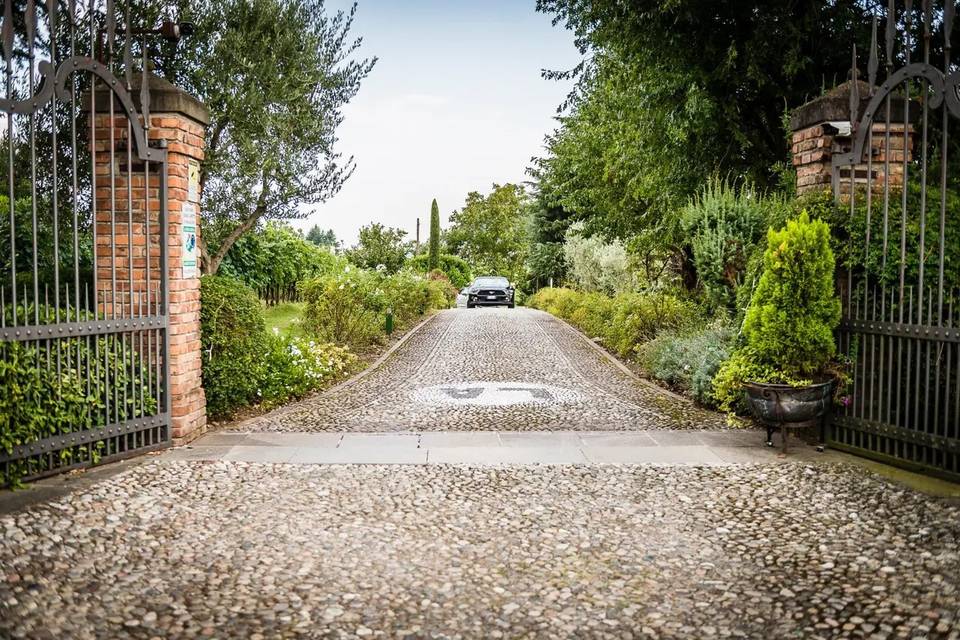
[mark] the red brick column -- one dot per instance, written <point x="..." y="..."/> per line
<point x="822" y="127"/>
<point x="177" y="121"/>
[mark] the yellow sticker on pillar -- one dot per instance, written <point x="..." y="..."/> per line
<point x="188" y="224"/>
<point x="193" y="182"/>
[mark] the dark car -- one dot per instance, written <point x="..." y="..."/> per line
<point x="489" y="291"/>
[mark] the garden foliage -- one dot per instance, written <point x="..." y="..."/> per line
<point x="243" y="364"/>
<point x="689" y="360"/>
<point x="454" y="267"/>
<point x="349" y="307"/>
<point x="723" y="225"/>
<point x="277" y="258"/>
<point x="595" y="265"/>
<point x="380" y="247"/>
<point x="233" y="340"/>
<point x="38" y="399"/>
<point x="623" y="322"/>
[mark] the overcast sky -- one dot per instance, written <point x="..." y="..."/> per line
<point x="454" y="104"/>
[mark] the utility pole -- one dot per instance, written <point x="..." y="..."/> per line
<point x="417" y="250"/>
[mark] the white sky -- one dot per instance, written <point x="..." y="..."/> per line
<point x="454" y="104"/>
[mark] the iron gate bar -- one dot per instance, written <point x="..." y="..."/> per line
<point x="112" y="336"/>
<point x="930" y="333"/>
<point x="67" y="440"/>
<point x="81" y="329"/>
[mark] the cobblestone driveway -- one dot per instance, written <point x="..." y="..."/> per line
<point x="491" y="369"/>
<point x="238" y="550"/>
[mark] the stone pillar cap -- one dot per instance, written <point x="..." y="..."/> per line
<point x="165" y="97"/>
<point x="835" y="105"/>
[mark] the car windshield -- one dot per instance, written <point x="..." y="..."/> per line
<point x="490" y="282"/>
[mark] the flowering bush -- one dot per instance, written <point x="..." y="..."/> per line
<point x="349" y="307"/>
<point x="243" y="364"/>
<point x="294" y="366"/>
<point x="345" y="307"/>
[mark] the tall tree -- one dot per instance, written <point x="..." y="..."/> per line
<point x="433" y="261"/>
<point x="323" y="238"/>
<point x="275" y="75"/>
<point x="379" y="247"/>
<point x="651" y="118"/>
<point x="490" y="232"/>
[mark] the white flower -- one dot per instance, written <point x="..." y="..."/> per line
<point x="276" y="331"/>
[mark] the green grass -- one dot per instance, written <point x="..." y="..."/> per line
<point x="285" y="317"/>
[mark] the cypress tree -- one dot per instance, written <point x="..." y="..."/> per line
<point x="433" y="260"/>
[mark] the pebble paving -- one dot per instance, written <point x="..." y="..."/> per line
<point x="229" y="549"/>
<point x="492" y="369"/>
<point x="239" y="550"/>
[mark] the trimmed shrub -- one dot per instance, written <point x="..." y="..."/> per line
<point x="795" y="309"/>
<point x="234" y="342"/>
<point x="621" y="322"/>
<point x="454" y="267"/>
<point x="788" y="329"/>
<point x="688" y="361"/>
<point x="411" y="295"/>
<point x="349" y="307"/>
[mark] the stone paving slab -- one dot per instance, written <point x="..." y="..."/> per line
<point x="506" y="455"/>
<point x="495" y="447"/>
<point x="434" y="439"/>
<point x="664" y="454"/>
<point x="232" y="439"/>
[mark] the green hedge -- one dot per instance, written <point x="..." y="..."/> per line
<point x="623" y="322"/>
<point x="234" y="342"/>
<point x="244" y="364"/>
<point x="350" y="306"/>
<point x="454" y="267"/>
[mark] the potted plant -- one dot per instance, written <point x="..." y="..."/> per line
<point x="785" y="368"/>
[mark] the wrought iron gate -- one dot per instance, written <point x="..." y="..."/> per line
<point x="899" y="286"/>
<point x="83" y="332"/>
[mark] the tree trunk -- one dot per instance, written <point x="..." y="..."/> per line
<point x="212" y="265"/>
<point x="688" y="271"/>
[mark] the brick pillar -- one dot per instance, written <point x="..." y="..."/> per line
<point x="822" y="127"/>
<point x="178" y="123"/>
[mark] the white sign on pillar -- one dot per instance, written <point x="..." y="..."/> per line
<point x="189" y="229"/>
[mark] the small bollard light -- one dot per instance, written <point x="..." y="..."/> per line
<point x="388" y="325"/>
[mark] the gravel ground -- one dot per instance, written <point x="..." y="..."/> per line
<point x="474" y="369"/>
<point x="236" y="550"/>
